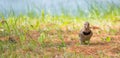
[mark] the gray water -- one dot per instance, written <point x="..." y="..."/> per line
<point x="54" y="7"/>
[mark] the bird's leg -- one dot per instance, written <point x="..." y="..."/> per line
<point x="87" y="42"/>
<point x="82" y="42"/>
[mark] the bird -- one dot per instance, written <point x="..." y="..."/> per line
<point x="85" y="33"/>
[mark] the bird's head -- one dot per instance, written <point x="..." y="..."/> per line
<point x="86" y="26"/>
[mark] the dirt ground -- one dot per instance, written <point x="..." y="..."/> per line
<point x="96" y="47"/>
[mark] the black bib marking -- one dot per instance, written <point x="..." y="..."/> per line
<point x="86" y="33"/>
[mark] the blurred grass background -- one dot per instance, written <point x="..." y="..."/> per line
<point x="79" y="8"/>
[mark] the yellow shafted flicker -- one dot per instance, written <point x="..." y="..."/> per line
<point x="85" y="33"/>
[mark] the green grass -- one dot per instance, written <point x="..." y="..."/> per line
<point x="23" y="26"/>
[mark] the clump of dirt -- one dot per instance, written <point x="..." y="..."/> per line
<point x="113" y="51"/>
<point x="33" y="34"/>
<point x="11" y="38"/>
<point x="83" y="49"/>
<point x="116" y="49"/>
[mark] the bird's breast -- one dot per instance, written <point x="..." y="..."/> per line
<point x="87" y="33"/>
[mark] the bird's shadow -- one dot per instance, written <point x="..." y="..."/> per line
<point x="98" y="43"/>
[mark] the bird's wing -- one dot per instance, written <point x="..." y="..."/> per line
<point x="81" y="33"/>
